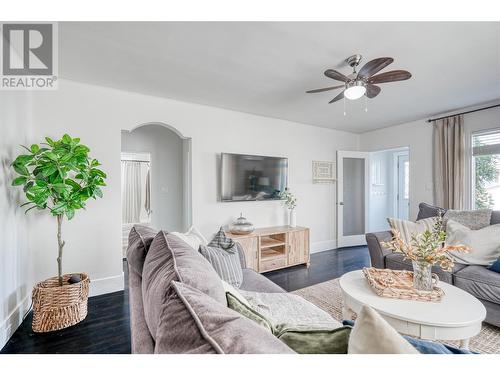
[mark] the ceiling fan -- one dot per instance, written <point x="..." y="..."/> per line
<point x="363" y="82"/>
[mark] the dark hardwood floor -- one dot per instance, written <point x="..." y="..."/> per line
<point x="325" y="266"/>
<point x="106" y="329"/>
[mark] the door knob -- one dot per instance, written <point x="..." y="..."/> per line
<point x="341" y="203"/>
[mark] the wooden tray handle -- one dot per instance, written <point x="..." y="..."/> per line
<point x="435" y="279"/>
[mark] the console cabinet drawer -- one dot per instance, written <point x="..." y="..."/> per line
<point x="267" y="265"/>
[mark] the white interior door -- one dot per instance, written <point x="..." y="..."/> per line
<point x="352" y="197"/>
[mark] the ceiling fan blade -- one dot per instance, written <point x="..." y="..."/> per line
<point x="338" y="97"/>
<point x="372" y="91"/>
<point x="325" y="89"/>
<point x="374" y="66"/>
<point x="393" y="75"/>
<point x="336" y="75"/>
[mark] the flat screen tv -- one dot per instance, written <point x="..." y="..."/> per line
<point x="252" y="177"/>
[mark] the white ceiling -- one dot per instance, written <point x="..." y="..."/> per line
<point x="265" y="67"/>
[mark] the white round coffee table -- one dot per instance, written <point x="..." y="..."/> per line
<point x="457" y="316"/>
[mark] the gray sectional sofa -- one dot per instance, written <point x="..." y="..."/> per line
<point x="178" y="305"/>
<point x="476" y="280"/>
<point x="140" y="240"/>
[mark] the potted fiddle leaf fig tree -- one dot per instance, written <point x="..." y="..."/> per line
<point x="59" y="176"/>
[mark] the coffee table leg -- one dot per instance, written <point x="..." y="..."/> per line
<point x="347" y="313"/>
<point x="464" y="344"/>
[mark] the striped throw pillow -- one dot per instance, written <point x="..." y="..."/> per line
<point x="226" y="264"/>
<point x="408" y="228"/>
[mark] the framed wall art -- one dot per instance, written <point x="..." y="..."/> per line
<point x="323" y="172"/>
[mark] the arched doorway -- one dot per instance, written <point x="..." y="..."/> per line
<point x="156" y="178"/>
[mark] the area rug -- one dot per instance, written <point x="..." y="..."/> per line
<point x="328" y="297"/>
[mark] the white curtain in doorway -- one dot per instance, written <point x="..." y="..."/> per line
<point x="131" y="191"/>
<point x="147" y="198"/>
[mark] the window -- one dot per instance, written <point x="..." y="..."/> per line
<point x="486" y="169"/>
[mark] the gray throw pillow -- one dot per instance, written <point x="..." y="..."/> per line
<point x="226" y="264"/>
<point x="193" y="322"/>
<point x="139" y="241"/>
<point x="222" y="241"/>
<point x="170" y="258"/>
<point x="474" y="220"/>
<point x="426" y="210"/>
<point x="495" y="217"/>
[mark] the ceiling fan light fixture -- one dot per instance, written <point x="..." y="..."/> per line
<point x="355" y="90"/>
<point x="364" y="82"/>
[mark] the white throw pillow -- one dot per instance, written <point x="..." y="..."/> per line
<point x="373" y="335"/>
<point x="408" y="228"/>
<point x="288" y="310"/>
<point x="192" y="237"/>
<point x="484" y="243"/>
<point x="228" y="288"/>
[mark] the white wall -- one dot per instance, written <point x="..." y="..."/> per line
<point x="97" y="115"/>
<point x="418" y="136"/>
<point x="16" y="265"/>
<point x="383" y="195"/>
<point x="166" y="149"/>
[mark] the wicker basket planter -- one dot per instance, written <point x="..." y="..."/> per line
<point x="56" y="307"/>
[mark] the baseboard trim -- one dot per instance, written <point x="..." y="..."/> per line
<point x="317" y="247"/>
<point x="14" y="320"/>
<point x="106" y="285"/>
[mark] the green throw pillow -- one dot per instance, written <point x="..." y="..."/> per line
<point x="303" y="339"/>
<point x="235" y="304"/>
<point x="306" y="340"/>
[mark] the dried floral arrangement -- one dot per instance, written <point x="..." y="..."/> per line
<point x="428" y="247"/>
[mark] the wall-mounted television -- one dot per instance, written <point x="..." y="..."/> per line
<point x="252" y="177"/>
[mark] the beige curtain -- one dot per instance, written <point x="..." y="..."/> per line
<point x="449" y="162"/>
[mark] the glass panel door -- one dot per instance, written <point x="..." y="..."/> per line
<point x="352" y="197"/>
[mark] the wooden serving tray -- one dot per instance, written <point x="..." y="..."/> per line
<point x="399" y="284"/>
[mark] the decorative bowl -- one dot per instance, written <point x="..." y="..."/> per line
<point x="241" y="226"/>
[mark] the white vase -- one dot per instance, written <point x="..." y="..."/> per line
<point x="292" y="220"/>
